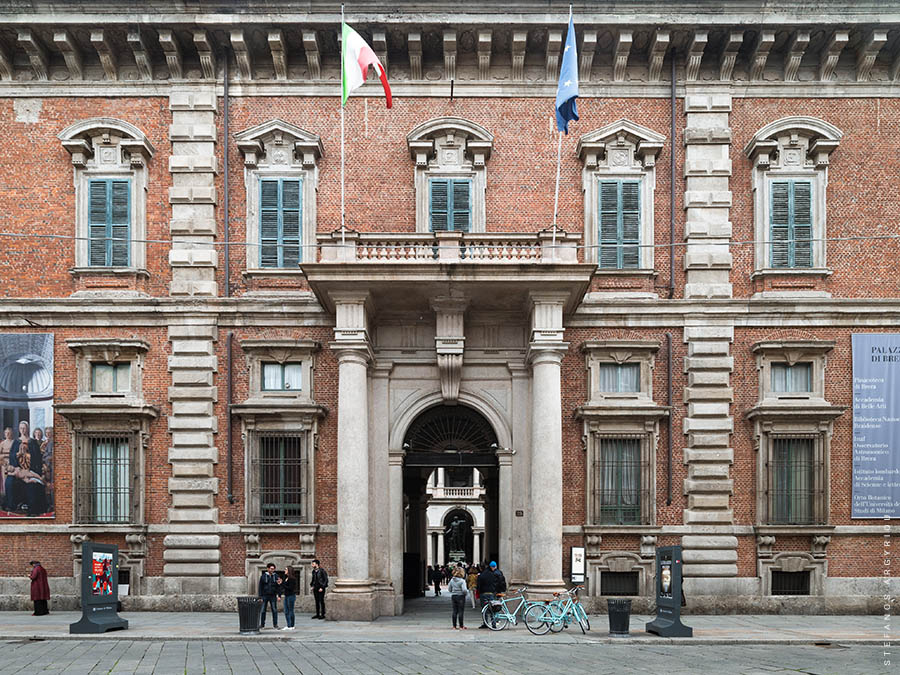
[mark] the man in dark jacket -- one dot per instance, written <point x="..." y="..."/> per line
<point x="319" y="583"/>
<point x="268" y="591"/>
<point x="490" y="582"/>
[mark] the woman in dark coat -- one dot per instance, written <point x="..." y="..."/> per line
<point x="40" y="589"/>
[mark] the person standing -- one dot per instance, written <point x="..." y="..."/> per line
<point x="471" y="583"/>
<point x="319" y="583"/>
<point x="458" y="592"/>
<point x="268" y="591"/>
<point x="489" y="585"/>
<point x="287" y="585"/>
<point x="40" y="589"/>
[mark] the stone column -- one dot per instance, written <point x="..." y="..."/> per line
<point x="379" y="492"/>
<point x="395" y="523"/>
<point x="440" y="548"/>
<point x="545" y="353"/>
<point x="476" y="546"/>
<point x="440" y="478"/>
<point x="710" y="551"/>
<point x="191" y="554"/>
<point x="430" y="553"/>
<point x="353" y="596"/>
<point x="505" y="509"/>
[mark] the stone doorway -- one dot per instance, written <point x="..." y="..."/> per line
<point x="452" y="439"/>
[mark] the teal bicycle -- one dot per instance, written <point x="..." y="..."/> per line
<point x="501" y="612"/>
<point x="557" y="614"/>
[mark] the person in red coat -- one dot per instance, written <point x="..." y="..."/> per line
<point x="40" y="589"/>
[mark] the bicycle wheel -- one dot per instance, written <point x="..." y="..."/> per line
<point x="537" y="619"/>
<point x="560" y="619"/>
<point x="492" y="619"/>
<point x="583" y="620"/>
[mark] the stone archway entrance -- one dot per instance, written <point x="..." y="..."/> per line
<point x="453" y="438"/>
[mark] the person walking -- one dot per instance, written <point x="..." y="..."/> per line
<point x="288" y="586"/>
<point x="471" y="583"/>
<point x="40" y="589"/>
<point x="490" y="582"/>
<point x="458" y="592"/>
<point x="319" y="583"/>
<point x="436" y="576"/>
<point x="268" y="591"/>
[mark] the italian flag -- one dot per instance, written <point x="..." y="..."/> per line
<point x="356" y="57"/>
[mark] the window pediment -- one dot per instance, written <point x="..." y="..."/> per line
<point x="793" y="143"/>
<point x="99" y="141"/>
<point x="278" y="143"/>
<point x="622" y="144"/>
<point x="450" y="140"/>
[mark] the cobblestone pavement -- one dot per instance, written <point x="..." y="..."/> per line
<point x="74" y="657"/>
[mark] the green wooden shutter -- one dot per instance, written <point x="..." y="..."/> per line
<point x="802" y="222"/>
<point x="291" y="218"/>
<point x="609" y="224"/>
<point x="120" y="223"/>
<point x="780" y="224"/>
<point x="109" y="222"/>
<point x="268" y="223"/>
<point x="439" y="204"/>
<point x="462" y="212"/>
<point x="631" y="225"/>
<point x="97" y="208"/>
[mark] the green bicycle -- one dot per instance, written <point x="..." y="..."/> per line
<point x="557" y="614"/>
<point x="499" y="613"/>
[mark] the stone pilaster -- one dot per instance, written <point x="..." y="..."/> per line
<point x="545" y="353"/>
<point x="192" y="557"/>
<point x="353" y="597"/>
<point x="708" y="364"/>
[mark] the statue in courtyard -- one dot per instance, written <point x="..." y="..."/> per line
<point x="456" y="532"/>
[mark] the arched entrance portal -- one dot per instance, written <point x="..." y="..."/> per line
<point x="442" y="446"/>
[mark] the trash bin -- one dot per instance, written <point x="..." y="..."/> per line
<point x="619" y="616"/>
<point x="249" y="613"/>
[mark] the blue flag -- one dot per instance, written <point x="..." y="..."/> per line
<point x="567" y="89"/>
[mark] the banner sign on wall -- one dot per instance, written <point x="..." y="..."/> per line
<point x="876" y="426"/>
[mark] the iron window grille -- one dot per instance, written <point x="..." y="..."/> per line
<point x="619" y="490"/>
<point x="790" y="583"/>
<point x="794" y="482"/>
<point x="105" y="479"/>
<point x="620" y="583"/>
<point x="280" y="489"/>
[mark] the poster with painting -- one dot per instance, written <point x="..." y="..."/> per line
<point x="101" y="573"/>
<point x="26" y="407"/>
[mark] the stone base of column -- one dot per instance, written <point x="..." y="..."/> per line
<point x="351" y="600"/>
<point x="384" y="599"/>
<point x="543" y="589"/>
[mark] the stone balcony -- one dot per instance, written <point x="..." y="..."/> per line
<point x="444" y="492"/>
<point x="496" y="271"/>
<point x="449" y="247"/>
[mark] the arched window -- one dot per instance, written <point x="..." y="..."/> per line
<point x="450" y="156"/>
<point x="790" y="175"/>
<point x="110" y="158"/>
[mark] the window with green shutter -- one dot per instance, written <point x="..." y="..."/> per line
<point x="450" y="204"/>
<point x="280" y="217"/>
<point x="109" y="222"/>
<point x="620" y="224"/>
<point x="790" y="224"/>
<point x="617" y="482"/>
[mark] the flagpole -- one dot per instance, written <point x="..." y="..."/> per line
<point x="558" y="161"/>
<point x="343" y="46"/>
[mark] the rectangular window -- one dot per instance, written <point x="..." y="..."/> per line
<point x="620" y="378"/>
<point x="281" y="376"/>
<point x="283" y="480"/>
<point x="791" y="223"/>
<point x="620" y="224"/>
<point x="280" y="217"/>
<point x="617" y="482"/>
<point x="110" y="378"/>
<point x="619" y="583"/>
<point x="450" y="204"/>
<point x="790" y="583"/>
<point x="109" y="222"/>
<point x="793" y="481"/>
<point x="105" y="481"/>
<point x="791" y="379"/>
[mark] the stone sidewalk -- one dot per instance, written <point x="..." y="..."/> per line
<point x="428" y="620"/>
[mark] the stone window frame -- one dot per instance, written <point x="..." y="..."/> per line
<point x="450" y="147"/>
<point x="793" y="415"/>
<point x="277" y="149"/>
<point x="791" y="148"/>
<point x="93" y="414"/>
<point x="622" y="150"/>
<point x="620" y="415"/>
<point x="103" y="147"/>
<point x="285" y="412"/>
